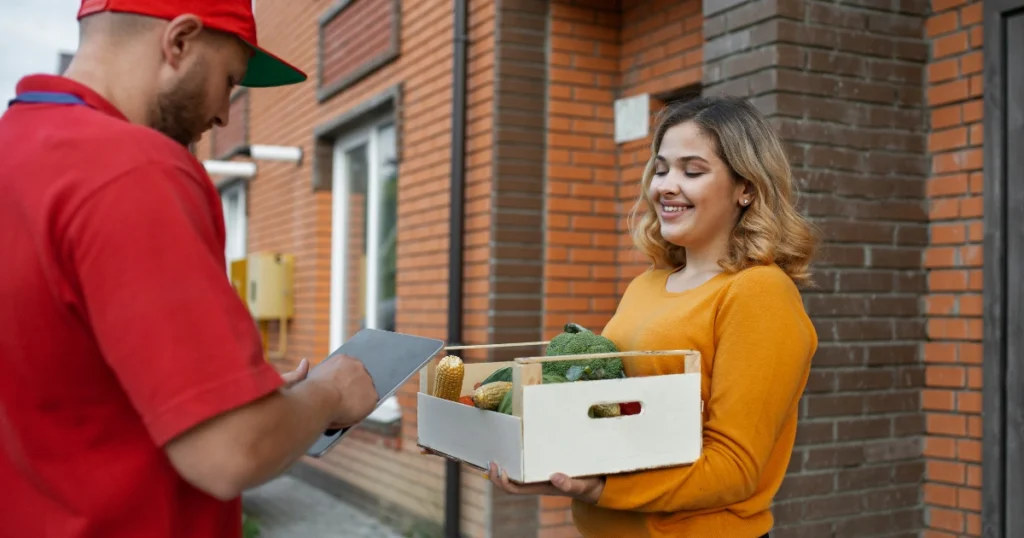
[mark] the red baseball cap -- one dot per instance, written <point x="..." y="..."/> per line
<point x="231" y="16"/>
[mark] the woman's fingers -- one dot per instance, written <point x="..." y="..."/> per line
<point x="564" y="483"/>
<point x="499" y="477"/>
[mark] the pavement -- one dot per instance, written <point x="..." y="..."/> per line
<point x="286" y="507"/>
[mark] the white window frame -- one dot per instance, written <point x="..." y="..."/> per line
<point x="236" y="222"/>
<point x="367" y="133"/>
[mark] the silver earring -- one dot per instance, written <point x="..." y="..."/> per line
<point x="746" y="201"/>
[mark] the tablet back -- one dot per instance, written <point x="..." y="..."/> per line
<point x="391" y="359"/>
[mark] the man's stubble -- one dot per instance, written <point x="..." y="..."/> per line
<point x="178" y="112"/>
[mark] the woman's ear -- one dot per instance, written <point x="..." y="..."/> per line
<point x="746" y="196"/>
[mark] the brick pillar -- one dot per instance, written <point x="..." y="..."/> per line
<point x="517" y="189"/>
<point x="516" y="233"/>
<point x="843" y="84"/>
<point x="582" y="176"/>
<point x="952" y="399"/>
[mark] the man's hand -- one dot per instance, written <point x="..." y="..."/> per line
<point x="354" y="395"/>
<point x="246" y="446"/>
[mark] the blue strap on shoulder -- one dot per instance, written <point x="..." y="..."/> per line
<point x="53" y="98"/>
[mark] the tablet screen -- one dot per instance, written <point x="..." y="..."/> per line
<point x="391" y="359"/>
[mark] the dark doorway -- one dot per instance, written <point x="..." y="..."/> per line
<point x="1003" y="475"/>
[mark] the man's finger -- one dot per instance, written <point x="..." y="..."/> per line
<point x="296" y="375"/>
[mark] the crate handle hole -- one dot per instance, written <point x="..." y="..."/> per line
<point x="624" y="409"/>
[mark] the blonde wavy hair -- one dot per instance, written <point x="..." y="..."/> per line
<point x="770" y="230"/>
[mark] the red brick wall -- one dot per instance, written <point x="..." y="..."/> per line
<point x="357" y="37"/>
<point x="662" y="53"/>
<point x="952" y="397"/>
<point x="286" y="213"/>
<point x="582" y="175"/>
<point x="601" y="51"/>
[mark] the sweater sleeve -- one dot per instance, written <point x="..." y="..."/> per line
<point x="764" y="343"/>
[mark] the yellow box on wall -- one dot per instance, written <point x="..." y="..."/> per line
<point x="270" y="285"/>
<point x="238" y="278"/>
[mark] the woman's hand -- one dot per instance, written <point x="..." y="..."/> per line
<point x="585" y="489"/>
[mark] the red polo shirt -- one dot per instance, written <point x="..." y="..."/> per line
<point x="119" y="329"/>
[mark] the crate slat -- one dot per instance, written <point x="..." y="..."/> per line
<point x="493" y="346"/>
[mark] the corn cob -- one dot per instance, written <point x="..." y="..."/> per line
<point x="448" y="379"/>
<point x="489" y="396"/>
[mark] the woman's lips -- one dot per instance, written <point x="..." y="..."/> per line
<point x="674" y="211"/>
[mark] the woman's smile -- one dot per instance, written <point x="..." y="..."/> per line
<point x="674" y="210"/>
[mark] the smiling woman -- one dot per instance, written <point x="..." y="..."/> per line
<point x="728" y="250"/>
<point x="723" y="154"/>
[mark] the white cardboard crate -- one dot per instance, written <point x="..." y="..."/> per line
<point x="550" y="430"/>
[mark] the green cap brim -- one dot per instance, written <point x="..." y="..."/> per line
<point x="266" y="70"/>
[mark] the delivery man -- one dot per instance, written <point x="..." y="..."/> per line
<point x="134" y="398"/>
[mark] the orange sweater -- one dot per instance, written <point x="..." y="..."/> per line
<point x="756" y="343"/>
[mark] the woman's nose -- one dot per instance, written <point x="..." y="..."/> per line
<point x="667" y="185"/>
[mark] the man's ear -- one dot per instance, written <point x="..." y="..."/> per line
<point x="179" y="37"/>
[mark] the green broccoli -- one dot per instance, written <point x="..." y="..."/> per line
<point x="575" y="340"/>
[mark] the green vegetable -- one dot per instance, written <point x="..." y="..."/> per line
<point x="501" y="374"/>
<point x="506" y="404"/>
<point x="577" y="340"/>
<point x="553" y="378"/>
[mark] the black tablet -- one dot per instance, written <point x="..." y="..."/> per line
<point x="391" y="359"/>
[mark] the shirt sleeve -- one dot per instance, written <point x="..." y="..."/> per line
<point x="764" y="343"/>
<point x="146" y="256"/>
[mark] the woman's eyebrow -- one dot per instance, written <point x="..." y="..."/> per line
<point x="684" y="159"/>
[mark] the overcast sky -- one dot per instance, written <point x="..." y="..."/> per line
<point x="32" y="35"/>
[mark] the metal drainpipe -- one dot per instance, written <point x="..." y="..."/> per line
<point x="453" y="481"/>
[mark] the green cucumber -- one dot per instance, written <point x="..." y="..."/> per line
<point x="501" y="374"/>
<point x="506" y="404"/>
